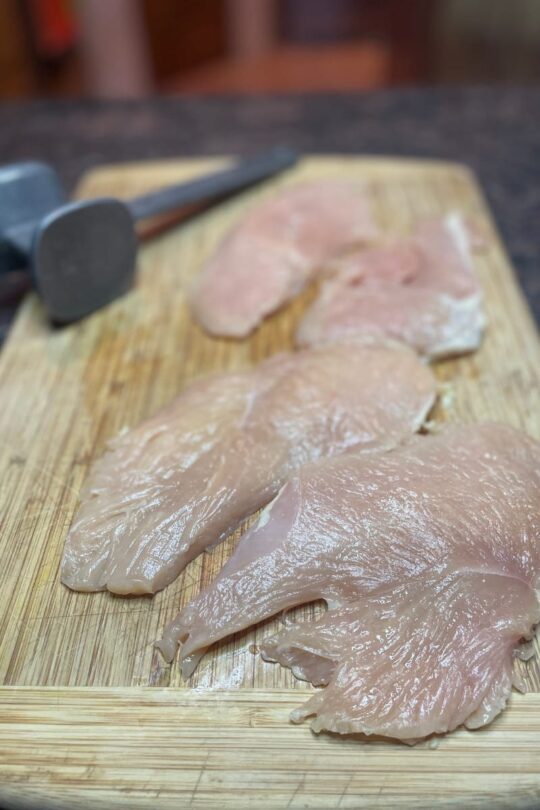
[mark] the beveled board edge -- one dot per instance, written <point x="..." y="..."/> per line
<point x="150" y="747"/>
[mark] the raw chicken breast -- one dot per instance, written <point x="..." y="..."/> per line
<point x="184" y="479"/>
<point x="275" y="250"/>
<point x="421" y="291"/>
<point x="429" y="553"/>
<point x="414" y="660"/>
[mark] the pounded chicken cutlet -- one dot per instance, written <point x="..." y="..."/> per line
<point x="429" y="556"/>
<point x="421" y="290"/>
<point x="184" y="479"/>
<point x="275" y="250"/>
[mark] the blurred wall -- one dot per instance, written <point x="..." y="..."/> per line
<point x="486" y="40"/>
<point x="112" y="48"/>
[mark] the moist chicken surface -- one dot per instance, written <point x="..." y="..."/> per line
<point x="185" y="478"/>
<point x="429" y="558"/>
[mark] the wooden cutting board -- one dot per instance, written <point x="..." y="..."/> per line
<point x="90" y="715"/>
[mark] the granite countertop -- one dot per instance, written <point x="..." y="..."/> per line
<point x="495" y="131"/>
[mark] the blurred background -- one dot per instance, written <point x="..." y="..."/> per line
<point x="134" y="48"/>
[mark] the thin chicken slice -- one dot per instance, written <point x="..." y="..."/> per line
<point x="355" y="525"/>
<point x="418" y="659"/>
<point x="275" y="250"/>
<point x="420" y="290"/>
<point x="184" y="479"/>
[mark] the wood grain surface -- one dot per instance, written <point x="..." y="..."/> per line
<point x="66" y="391"/>
<point x="98" y="749"/>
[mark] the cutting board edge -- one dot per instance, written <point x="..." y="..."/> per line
<point x="215" y="161"/>
<point x="170" y="747"/>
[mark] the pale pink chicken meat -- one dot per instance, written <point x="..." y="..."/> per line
<point x="421" y="290"/>
<point x="184" y="479"/>
<point x="418" y="659"/>
<point x="275" y="250"/>
<point x="428" y="553"/>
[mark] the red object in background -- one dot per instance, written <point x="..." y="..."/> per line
<point x="54" y="26"/>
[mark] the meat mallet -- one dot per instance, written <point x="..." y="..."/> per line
<point x="81" y="255"/>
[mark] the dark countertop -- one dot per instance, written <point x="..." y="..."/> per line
<point x="496" y="131"/>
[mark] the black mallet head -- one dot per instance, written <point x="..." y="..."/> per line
<point x="83" y="256"/>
